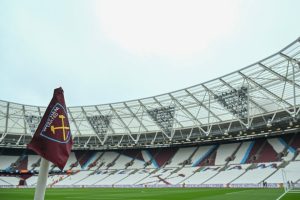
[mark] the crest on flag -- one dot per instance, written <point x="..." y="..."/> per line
<point x="57" y="126"/>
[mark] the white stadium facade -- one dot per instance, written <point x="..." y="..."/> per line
<point x="238" y="130"/>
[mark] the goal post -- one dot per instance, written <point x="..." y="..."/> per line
<point x="290" y="181"/>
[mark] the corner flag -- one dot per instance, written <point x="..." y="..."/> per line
<point x="52" y="139"/>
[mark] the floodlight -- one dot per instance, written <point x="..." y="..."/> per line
<point x="269" y="123"/>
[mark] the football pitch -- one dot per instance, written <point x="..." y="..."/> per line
<point x="149" y="194"/>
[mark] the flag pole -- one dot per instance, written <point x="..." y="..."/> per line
<point x="42" y="180"/>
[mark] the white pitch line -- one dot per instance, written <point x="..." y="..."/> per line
<point x="239" y="192"/>
<point x="90" y="198"/>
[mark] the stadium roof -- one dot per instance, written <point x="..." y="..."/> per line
<point x="264" y="93"/>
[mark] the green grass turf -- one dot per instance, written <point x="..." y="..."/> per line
<point x="149" y="194"/>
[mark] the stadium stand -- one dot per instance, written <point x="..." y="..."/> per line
<point x="91" y="178"/>
<point x="134" y="177"/>
<point x="238" y="130"/>
<point x="225" y="153"/>
<point x="7" y="161"/>
<point x="242" y="153"/>
<point x="257" y="173"/>
<point x="161" y="157"/>
<point x="202" y="174"/>
<point x="181" y="156"/>
<point x="232" y="163"/>
<point x="7" y="180"/>
<point x="115" y="176"/>
<point x="293" y="173"/>
<point x="33" y="162"/>
<point x="200" y="154"/>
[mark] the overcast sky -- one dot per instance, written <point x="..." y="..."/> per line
<point x="110" y="51"/>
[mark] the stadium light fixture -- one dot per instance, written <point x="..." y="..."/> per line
<point x="269" y="123"/>
<point x="235" y="101"/>
<point x="226" y="132"/>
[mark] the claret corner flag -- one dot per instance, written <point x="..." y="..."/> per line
<point x="53" y="140"/>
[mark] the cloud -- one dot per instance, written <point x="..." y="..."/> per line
<point x="167" y="28"/>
